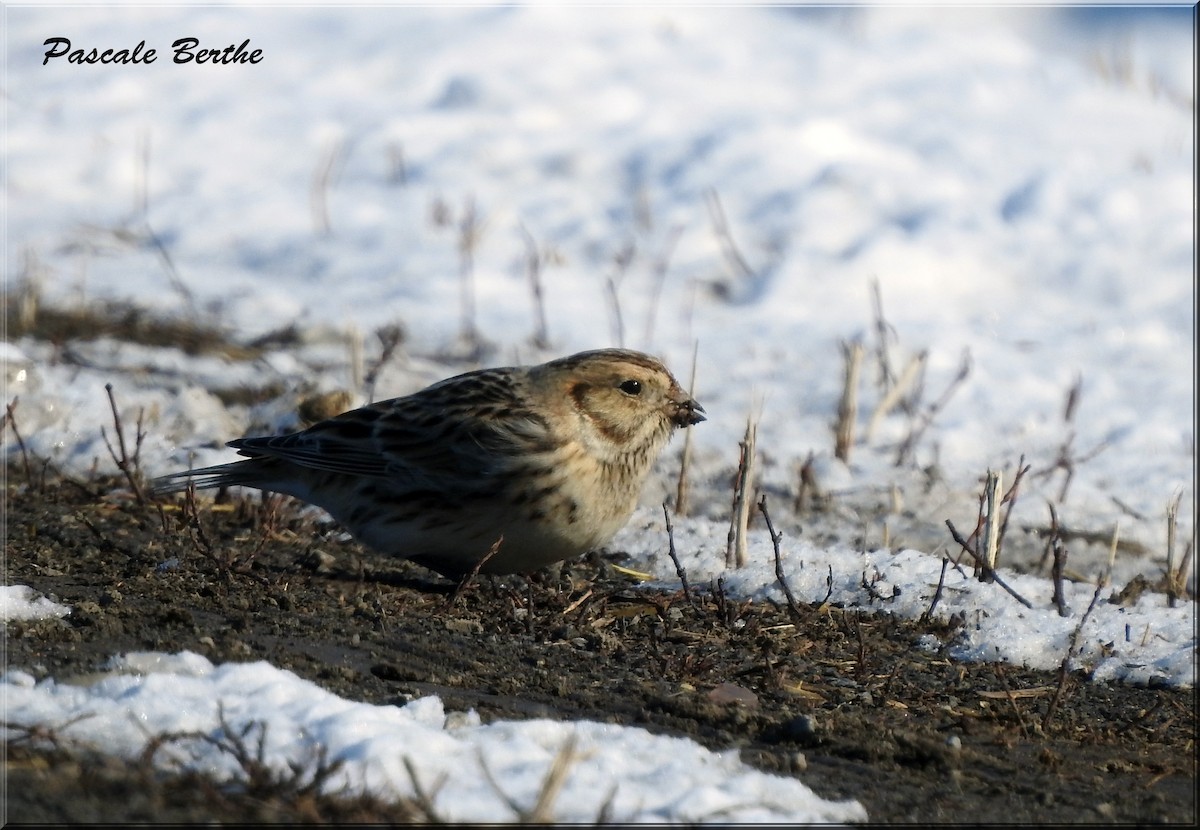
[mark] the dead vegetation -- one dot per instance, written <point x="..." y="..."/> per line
<point x="842" y="698"/>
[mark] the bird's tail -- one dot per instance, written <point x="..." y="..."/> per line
<point x="237" y="473"/>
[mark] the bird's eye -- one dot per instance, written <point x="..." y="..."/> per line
<point x="631" y="387"/>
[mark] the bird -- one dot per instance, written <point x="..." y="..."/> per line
<point x="503" y="470"/>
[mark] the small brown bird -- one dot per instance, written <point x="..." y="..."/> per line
<point x="550" y="459"/>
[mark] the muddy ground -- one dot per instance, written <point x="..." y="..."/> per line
<point x="842" y="700"/>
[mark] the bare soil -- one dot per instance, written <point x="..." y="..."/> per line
<point x="842" y="700"/>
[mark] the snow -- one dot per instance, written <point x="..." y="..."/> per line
<point x="1018" y="182"/>
<point x="623" y="767"/>
<point x="20" y="602"/>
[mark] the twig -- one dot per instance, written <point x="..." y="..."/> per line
<point x="390" y="338"/>
<point x="896" y="393"/>
<point x="883" y="330"/>
<point x="993" y="576"/>
<point x="793" y="610"/>
<point x="10" y="419"/>
<point x="682" y="488"/>
<point x="937" y="595"/>
<point x="322" y="180"/>
<point x="735" y="550"/>
<point x="1012" y="698"/>
<point x="991" y="524"/>
<point x="533" y="268"/>
<point x="1059" y="564"/>
<point x="621" y="260"/>
<point x="1072" y="651"/>
<point x="472" y="574"/>
<point x="1174" y="586"/>
<point x="470" y="232"/>
<point x="424" y="800"/>
<point x="918" y="428"/>
<point x="1010" y="498"/>
<point x="679" y="570"/>
<point x="729" y="249"/>
<point x="661" y="265"/>
<point x="852" y="354"/>
<point x="127" y="465"/>
<point x="397" y="170"/>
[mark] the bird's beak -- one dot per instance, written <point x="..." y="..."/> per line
<point x="687" y="413"/>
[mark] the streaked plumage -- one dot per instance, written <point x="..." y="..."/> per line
<point x="551" y="457"/>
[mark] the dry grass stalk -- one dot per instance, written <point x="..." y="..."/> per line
<point x="391" y="337"/>
<point x="883" y="333"/>
<point x="323" y="178"/>
<point x="470" y="232"/>
<point x="1176" y="578"/>
<point x="1059" y="566"/>
<point x="556" y="776"/>
<point x="922" y="423"/>
<point x="735" y="551"/>
<point x="991" y="527"/>
<point x="986" y="572"/>
<point x="10" y="420"/>
<point x="1072" y="652"/>
<point x="129" y="465"/>
<point x="1112" y="554"/>
<point x="780" y="577"/>
<point x="659" y="276"/>
<point x="354" y="342"/>
<point x="612" y="284"/>
<point x="397" y="169"/>
<point x="679" y="569"/>
<point x="897" y="391"/>
<point x="534" y="262"/>
<point x="729" y="249"/>
<point x="683" y="489"/>
<point x="467" y="580"/>
<point x="852" y="354"/>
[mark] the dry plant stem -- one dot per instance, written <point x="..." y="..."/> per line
<point x="682" y="489"/>
<point x="918" y="429"/>
<point x="470" y="577"/>
<point x="993" y="576"/>
<point x="470" y="231"/>
<point x="423" y="799"/>
<point x="397" y="170"/>
<point x="679" y="570"/>
<point x="1112" y="553"/>
<point x="614" y="304"/>
<point x="991" y="526"/>
<point x="1180" y="578"/>
<point x="661" y="265"/>
<point x="127" y="465"/>
<point x="852" y="354"/>
<point x="390" y="338"/>
<point x="321" y="183"/>
<point x="191" y="515"/>
<point x="1059" y="564"/>
<point x="793" y="610"/>
<point x="896" y="393"/>
<point x="735" y="550"/>
<point x="729" y="249"/>
<point x="1072" y="652"/>
<point x="883" y="332"/>
<point x="10" y="418"/>
<point x="533" y="269"/>
<point x="937" y="595"/>
<point x="552" y="784"/>
<point x="1010" y="499"/>
<point x="358" y="375"/>
<point x="1173" y="587"/>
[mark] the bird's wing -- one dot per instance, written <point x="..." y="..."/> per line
<point x="424" y="439"/>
